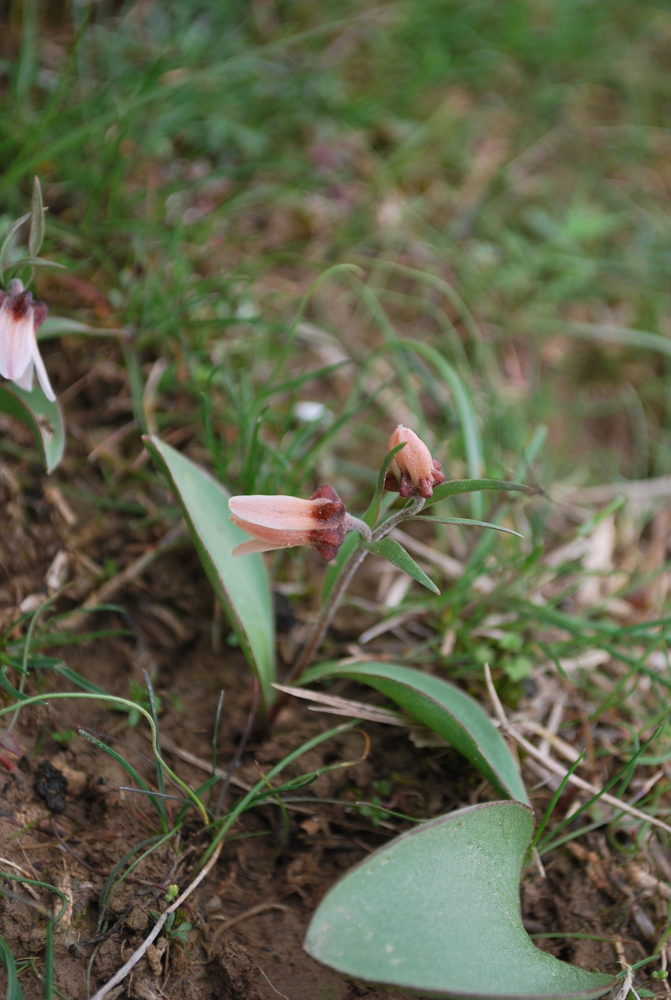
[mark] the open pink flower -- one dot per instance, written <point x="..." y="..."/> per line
<point x="279" y="522"/>
<point x="20" y="356"/>
<point x="412" y="473"/>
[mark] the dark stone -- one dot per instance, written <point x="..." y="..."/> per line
<point x="51" y="785"/>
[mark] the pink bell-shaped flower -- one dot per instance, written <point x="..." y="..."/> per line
<point x="20" y="356"/>
<point x="412" y="472"/>
<point x="280" y="522"/>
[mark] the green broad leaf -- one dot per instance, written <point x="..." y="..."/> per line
<point x="467" y="521"/>
<point x="437" y="912"/>
<point x="373" y="512"/>
<point x="241" y="584"/>
<point x="392" y="550"/>
<point x="458" y="486"/>
<point x="442" y="707"/>
<point x="43" y="416"/>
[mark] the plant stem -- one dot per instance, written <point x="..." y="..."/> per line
<point x="327" y="612"/>
<point x="336" y="594"/>
<point x="383" y="529"/>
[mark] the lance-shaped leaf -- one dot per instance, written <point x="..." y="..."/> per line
<point x="392" y="550"/>
<point x="56" y="326"/>
<point x="36" y="233"/>
<point x="42" y="415"/>
<point x="456" y="487"/>
<point x="437" y="911"/>
<point x="7" y="239"/>
<point x="468" y="521"/>
<point x="241" y="585"/>
<point x="442" y="707"/>
<point x="373" y="512"/>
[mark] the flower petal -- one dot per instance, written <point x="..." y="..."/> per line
<point x="25" y="381"/>
<point x="15" y="341"/>
<point x="42" y="376"/>
<point x="256" y="545"/>
<point x="279" y="538"/>
<point x="279" y="513"/>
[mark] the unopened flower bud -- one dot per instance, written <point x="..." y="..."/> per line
<point x="412" y="472"/>
<point x="280" y="522"/>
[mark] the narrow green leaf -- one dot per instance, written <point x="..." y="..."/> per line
<point x="121" y="761"/>
<point x="437" y="911"/>
<point x="39" y="261"/>
<point x="373" y="512"/>
<point x="42" y="416"/>
<point x="48" y="974"/>
<point x="241" y="584"/>
<point x="463" y="404"/>
<point x="392" y="550"/>
<point x="36" y="234"/>
<point x="56" y="326"/>
<point x="441" y="706"/>
<point x="456" y="487"/>
<point x="14" y="991"/>
<point x="75" y="678"/>
<point x="7" y="241"/>
<point x="467" y="521"/>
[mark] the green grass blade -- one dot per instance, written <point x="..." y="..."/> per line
<point x="14" y="991"/>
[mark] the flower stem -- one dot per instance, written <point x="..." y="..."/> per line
<point x="336" y="594"/>
<point x="383" y="529"/>
<point x="327" y="613"/>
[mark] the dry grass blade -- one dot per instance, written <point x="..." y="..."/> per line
<point x="343" y="706"/>
<point x="552" y="765"/>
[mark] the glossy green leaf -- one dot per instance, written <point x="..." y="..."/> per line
<point x="444" y="708"/>
<point x="240" y="583"/>
<point x="392" y="550"/>
<point x="437" y="912"/>
<point x="42" y="416"/>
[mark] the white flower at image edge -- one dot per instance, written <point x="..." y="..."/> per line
<point x="20" y="357"/>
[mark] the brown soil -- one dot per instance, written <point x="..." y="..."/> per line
<point x="272" y="874"/>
